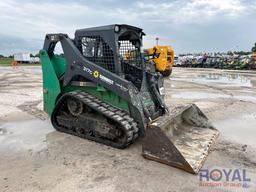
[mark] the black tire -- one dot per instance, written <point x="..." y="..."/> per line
<point x="167" y="72"/>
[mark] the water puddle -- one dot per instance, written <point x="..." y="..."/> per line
<point x="226" y="79"/>
<point x="240" y="129"/>
<point x="246" y="98"/>
<point x="198" y="95"/>
<point x="205" y="95"/>
<point x="24" y="135"/>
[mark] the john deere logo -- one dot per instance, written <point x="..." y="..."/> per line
<point x="96" y="74"/>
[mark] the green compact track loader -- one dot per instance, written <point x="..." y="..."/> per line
<point x="100" y="89"/>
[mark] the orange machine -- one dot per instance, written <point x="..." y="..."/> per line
<point x="254" y="56"/>
<point x="163" y="57"/>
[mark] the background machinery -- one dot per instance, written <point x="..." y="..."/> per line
<point x="96" y="92"/>
<point x="162" y="57"/>
<point x="253" y="61"/>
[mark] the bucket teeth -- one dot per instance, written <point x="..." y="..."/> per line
<point x="182" y="139"/>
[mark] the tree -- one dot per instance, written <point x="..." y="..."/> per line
<point x="254" y="48"/>
<point x="229" y="53"/>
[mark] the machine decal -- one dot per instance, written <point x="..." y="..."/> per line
<point x="96" y="74"/>
<point x="105" y="79"/>
<point x="88" y="70"/>
<point x="121" y="87"/>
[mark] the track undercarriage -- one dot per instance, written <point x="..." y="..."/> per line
<point x="85" y="116"/>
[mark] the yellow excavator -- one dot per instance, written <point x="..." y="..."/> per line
<point x="162" y="57"/>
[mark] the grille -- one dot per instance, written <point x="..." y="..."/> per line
<point x="129" y="53"/>
<point x="97" y="51"/>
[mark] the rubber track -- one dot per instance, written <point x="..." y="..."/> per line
<point x="121" y="117"/>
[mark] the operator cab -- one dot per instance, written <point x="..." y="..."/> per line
<point x="117" y="48"/>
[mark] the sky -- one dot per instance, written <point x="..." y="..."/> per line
<point x="186" y="25"/>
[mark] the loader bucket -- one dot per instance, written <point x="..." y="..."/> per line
<point x="181" y="139"/>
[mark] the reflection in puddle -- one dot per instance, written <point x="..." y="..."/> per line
<point x="246" y="98"/>
<point x="225" y="79"/>
<point x="198" y="95"/>
<point x="24" y="135"/>
<point x="240" y="129"/>
<point x="204" y="95"/>
<point x="231" y="79"/>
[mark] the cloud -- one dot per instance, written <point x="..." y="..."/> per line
<point x="193" y="11"/>
<point x="12" y="44"/>
<point x="188" y="25"/>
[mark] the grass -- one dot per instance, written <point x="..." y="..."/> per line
<point x="8" y="61"/>
<point x="5" y="61"/>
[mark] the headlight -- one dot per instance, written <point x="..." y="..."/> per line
<point x="117" y="28"/>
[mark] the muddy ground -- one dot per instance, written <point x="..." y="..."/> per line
<point x="34" y="157"/>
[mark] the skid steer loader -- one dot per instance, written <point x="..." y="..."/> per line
<point x="95" y="92"/>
